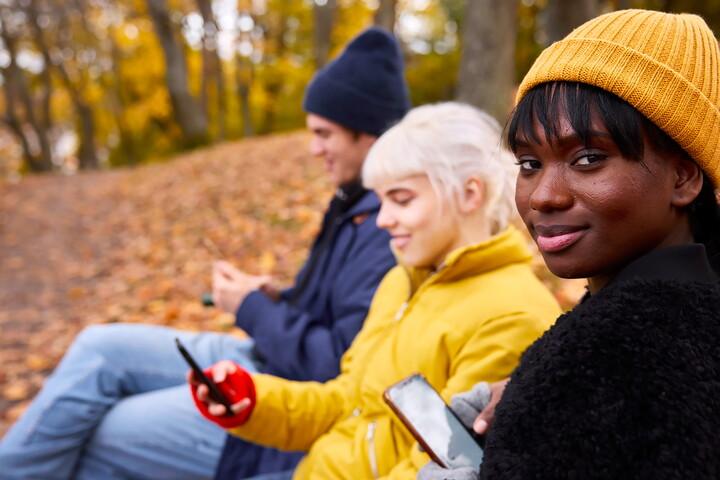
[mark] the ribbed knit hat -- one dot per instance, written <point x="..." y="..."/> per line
<point x="364" y="88"/>
<point x="665" y="65"/>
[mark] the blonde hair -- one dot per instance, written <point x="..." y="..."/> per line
<point x="449" y="142"/>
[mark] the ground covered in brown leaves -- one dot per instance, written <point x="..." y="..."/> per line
<point x="137" y="246"/>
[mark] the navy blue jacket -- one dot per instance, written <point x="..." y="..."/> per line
<point x="304" y="335"/>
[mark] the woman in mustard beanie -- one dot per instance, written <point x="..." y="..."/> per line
<point x="616" y="133"/>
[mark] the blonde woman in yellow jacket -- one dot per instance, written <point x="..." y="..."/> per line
<point x="461" y="307"/>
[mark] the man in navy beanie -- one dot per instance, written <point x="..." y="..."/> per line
<point x="349" y="103"/>
<point x="118" y="406"/>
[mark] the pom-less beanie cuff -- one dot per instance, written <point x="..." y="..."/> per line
<point x="664" y="65"/>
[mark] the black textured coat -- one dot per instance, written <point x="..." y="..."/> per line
<point x="625" y="386"/>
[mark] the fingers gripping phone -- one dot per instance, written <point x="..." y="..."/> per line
<point x="213" y="389"/>
<point x="433" y="424"/>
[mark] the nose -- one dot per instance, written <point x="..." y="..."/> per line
<point x="551" y="191"/>
<point x="385" y="219"/>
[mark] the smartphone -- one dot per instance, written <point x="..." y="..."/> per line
<point x="214" y="390"/>
<point x="207" y="300"/>
<point x="433" y="424"/>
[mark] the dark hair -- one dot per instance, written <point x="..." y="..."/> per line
<point x="548" y="102"/>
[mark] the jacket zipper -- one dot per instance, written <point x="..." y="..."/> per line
<point x="371" y="449"/>
<point x="401" y="311"/>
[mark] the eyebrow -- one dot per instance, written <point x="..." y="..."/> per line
<point x="567" y="139"/>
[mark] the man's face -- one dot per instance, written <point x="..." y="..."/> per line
<point x="342" y="150"/>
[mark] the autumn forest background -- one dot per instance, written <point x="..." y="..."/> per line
<point x="142" y="139"/>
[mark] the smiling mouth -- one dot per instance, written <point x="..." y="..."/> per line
<point x="400" y="241"/>
<point x="556" y="238"/>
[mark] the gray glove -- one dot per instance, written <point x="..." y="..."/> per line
<point x="467" y="406"/>
<point x="433" y="471"/>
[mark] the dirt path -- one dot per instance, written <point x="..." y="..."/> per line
<point x="46" y="251"/>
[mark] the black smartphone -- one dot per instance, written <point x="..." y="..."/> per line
<point x="433" y="424"/>
<point x="207" y="300"/>
<point x="214" y="390"/>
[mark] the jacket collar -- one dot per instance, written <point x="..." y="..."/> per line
<point x="683" y="263"/>
<point x="505" y="248"/>
<point x="680" y="263"/>
<point x="368" y="203"/>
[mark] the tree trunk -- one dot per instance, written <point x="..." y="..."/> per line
<point x="118" y="103"/>
<point x="275" y="32"/>
<point x="14" y="76"/>
<point x="385" y="15"/>
<point x="87" y="152"/>
<point x="12" y="120"/>
<point x="188" y="113"/>
<point x="243" y="80"/>
<point x="562" y="16"/>
<point x="487" y="63"/>
<point x="324" y="16"/>
<point x="212" y="65"/>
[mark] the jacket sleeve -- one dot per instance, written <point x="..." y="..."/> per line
<point x="291" y="415"/>
<point x="294" y="343"/>
<point x="407" y="469"/>
<point x="491" y="352"/>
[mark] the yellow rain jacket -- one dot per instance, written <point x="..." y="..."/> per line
<point x="468" y="321"/>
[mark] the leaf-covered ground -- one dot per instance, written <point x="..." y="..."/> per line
<point x="137" y="246"/>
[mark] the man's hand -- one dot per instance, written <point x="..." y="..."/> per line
<point x="230" y="286"/>
<point x="487" y="415"/>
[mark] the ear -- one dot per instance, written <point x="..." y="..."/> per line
<point x="473" y="196"/>
<point x="688" y="182"/>
<point x="366" y="139"/>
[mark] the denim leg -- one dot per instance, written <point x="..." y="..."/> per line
<point x="104" y="365"/>
<point x="156" y="435"/>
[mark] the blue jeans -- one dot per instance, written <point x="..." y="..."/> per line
<point x="118" y="407"/>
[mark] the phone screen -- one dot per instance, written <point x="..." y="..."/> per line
<point x="432" y="420"/>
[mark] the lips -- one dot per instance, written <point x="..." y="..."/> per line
<point x="556" y="238"/>
<point x="400" y="241"/>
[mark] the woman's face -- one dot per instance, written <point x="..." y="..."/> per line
<point x="424" y="229"/>
<point x="590" y="210"/>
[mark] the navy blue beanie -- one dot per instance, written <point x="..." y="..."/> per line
<point x="364" y="88"/>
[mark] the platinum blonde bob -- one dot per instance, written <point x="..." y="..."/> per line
<point x="449" y="142"/>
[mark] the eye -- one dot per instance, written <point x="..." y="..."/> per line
<point x="403" y="201"/>
<point x="528" y="165"/>
<point x="401" y="197"/>
<point x="589" y="159"/>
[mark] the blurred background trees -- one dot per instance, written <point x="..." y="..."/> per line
<point x="100" y="83"/>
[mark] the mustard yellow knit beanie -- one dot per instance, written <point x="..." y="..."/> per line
<point x="665" y="65"/>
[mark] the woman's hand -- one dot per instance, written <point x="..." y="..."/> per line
<point x="484" y="421"/>
<point x="433" y="471"/>
<point x="237" y="386"/>
<point x="476" y="409"/>
<point x="218" y="373"/>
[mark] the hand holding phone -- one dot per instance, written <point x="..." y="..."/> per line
<point x="214" y="391"/>
<point x="433" y="424"/>
<point x="235" y="391"/>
